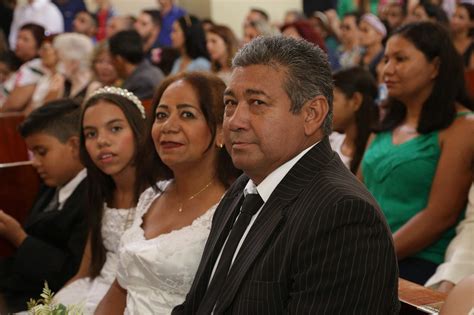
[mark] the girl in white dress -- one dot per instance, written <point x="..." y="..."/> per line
<point x="160" y="253"/>
<point x="112" y="133"/>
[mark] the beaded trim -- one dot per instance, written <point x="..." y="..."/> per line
<point x="122" y="92"/>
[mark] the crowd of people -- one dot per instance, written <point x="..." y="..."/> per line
<point x="142" y="200"/>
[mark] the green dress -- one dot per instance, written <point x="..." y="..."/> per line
<point x="400" y="178"/>
<point x="346" y="6"/>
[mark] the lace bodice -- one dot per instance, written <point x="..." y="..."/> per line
<point x="114" y="223"/>
<point x="89" y="292"/>
<point x="157" y="273"/>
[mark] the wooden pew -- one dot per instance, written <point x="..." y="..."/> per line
<point x="19" y="186"/>
<point x="12" y="145"/>
<point x="469" y="78"/>
<point x="418" y="300"/>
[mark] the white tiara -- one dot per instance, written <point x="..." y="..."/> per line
<point x="122" y="92"/>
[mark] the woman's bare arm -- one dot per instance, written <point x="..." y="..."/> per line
<point x="113" y="302"/>
<point x="448" y="193"/>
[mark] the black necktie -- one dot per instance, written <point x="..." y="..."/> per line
<point x="250" y="206"/>
<point x="54" y="203"/>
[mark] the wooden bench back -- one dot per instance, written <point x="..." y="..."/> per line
<point x="19" y="187"/>
<point x="418" y="300"/>
<point x="469" y="77"/>
<point x="12" y="145"/>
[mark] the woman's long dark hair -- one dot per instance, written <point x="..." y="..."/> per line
<point x="470" y="11"/>
<point x="101" y="186"/>
<point x="350" y="81"/>
<point x="439" y="110"/>
<point x="435" y="12"/>
<point x="210" y="91"/>
<point x="194" y="37"/>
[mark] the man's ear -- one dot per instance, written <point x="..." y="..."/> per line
<point x="74" y="144"/>
<point x="315" y="112"/>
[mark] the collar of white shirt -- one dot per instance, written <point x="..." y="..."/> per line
<point x="37" y="4"/>
<point x="268" y="185"/>
<point x="265" y="189"/>
<point x="66" y="191"/>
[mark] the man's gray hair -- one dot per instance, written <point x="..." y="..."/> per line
<point x="306" y="65"/>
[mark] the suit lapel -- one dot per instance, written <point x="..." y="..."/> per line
<point x="272" y="217"/>
<point x="222" y="231"/>
<point x="229" y="208"/>
<point x="38" y="214"/>
<point x="42" y="202"/>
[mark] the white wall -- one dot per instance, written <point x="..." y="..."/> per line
<point x="200" y="8"/>
<point x="232" y="12"/>
<point x="229" y="12"/>
<point x="127" y="6"/>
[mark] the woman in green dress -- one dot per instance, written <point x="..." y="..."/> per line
<point x="419" y="166"/>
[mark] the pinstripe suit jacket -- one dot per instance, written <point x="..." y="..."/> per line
<point x="319" y="246"/>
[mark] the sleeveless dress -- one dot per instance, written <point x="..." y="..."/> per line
<point x="86" y="292"/>
<point x="157" y="273"/>
<point x="400" y="176"/>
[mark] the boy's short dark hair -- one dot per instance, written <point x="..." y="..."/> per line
<point x="128" y="45"/>
<point x="90" y="14"/>
<point x="154" y="15"/>
<point x="36" y="30"/>
<point x="59" y="118"/>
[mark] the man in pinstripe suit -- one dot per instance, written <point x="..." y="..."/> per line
<point x="319" y="244"/>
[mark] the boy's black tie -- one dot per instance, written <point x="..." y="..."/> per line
<point x="54" y="203"/>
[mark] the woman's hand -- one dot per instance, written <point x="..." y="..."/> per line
<point x="445" y="286"/>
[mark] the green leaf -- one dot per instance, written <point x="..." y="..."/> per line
<point x="31" y="303"/>
<point x="45" y="306"/>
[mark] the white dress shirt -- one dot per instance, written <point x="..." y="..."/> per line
<point x="265" y="189"/>
<point x="41" y="12"/>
